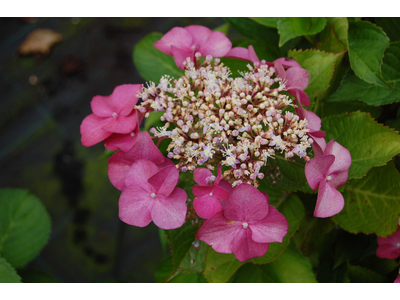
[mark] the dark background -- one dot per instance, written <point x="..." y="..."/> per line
<point x="43" y="102"/>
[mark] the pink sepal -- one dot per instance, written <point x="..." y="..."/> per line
<point x="329" y="202"/>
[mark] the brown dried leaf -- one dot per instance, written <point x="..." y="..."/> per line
<point x="40" y="41"/>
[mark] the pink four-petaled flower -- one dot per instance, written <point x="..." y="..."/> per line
<point x="326" y="173"/>
<point x="246" y="226"/>
<point x="185" y="42"/>
<point x="389" y="247"/>
<point x="150" y="194"/>
<point x="211" y="192"/>
<point x="111" y="114"/>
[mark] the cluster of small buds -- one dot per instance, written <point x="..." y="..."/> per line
<point x="213" y="119"/>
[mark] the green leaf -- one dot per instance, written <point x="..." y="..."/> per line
<point x="194" y="259"/>
<point x="24" y="226"/>
<point x="181" y="240"/>
<point x="331" y="43"/>
<point x="288" y="175"/>
<point x="359" y="274"/>
<point x="276" y="196"/>
<point x="338" y="108"/>
<point x="353" y="88"/>
<point x="151" y="62"/>
<point x="254" y="30"/>
<point x="8" y="273"/>
<point x="335" y="35"/>
<point x="372" y="204"/>
<point x="224" y="28"/>
<point x="341" y="26"/>
<point x="188" y="278"/>
<point x="293" y="210"/>
<point x="153" y="119"/>
<point x="391" y="26"/>
<point x="290" y="28"/>
<point x="370" y="144"/>
<point x="320" y="66"/>
<point x="391" y="65"/>
<point x="291" y="267"/>
<point x="266" y="21"/>
<point x="219" y="266"/>
<point x="164" y="270"/>
<point x="367" y="43"/>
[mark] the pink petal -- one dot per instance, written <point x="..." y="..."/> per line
<point x="167" y="162"/>
<point x="287" y="62"/>
<point x="180" y="56"/>
<point x="200" y="176"/>
<point x="219" y="232"/>
<point x="329" y="202"/>
<point x="245" y="248"/>
<point x="252" y="54"/>
<point x="279" y="70"/>
<point x="238" y="53"/>
<point x="220" y="193"/>
<point x="118" y="168"/>
<point x="342" y="156"/>
<point x="246" y="203"/>
<point x="165" y="180"/>
<point x="217" y="45"/>
<point x="219" y="176"/>
<point x="120" y="141"/>
<point x="140" y="173"/>
<point x="178" y="37"/>
<point x="313" y="121"/>
<point x="297" y="78"/>
<point x="144" y="148"/>
<point x="91" y="130"/>
<point x="397" y="280"/>
<point x="206" y="206"/>
<point x="301" y="96"/>
<point x="170" y="213"/>
<point x="124" y="98"/>
<point x="226" y="185"/>
<point x="200" y="34"/>
<point x="121" y="124"/>
<point x="102" y="106"/>
<point x="316" y="169"/>
<point x="339" y="178"/>
<point x="388" y="251"/>
<point x="135" y="205"/>
<point x="271" y="229"/>
<point x="200" y="191"/>
<point x="318" y="146"/>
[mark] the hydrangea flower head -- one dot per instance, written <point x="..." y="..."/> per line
<point x="182" y="43"/>
<point x="246" y="226"/>
<point x="389" y="247"/>
<point x="111" y="114"/>
<point x="326" y="173"/>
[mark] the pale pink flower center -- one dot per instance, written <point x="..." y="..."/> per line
<point x="153" y="195"/>
<point x="114" y="115"/>
<point x="328" y="178"/>
<point x="245" y="224"/>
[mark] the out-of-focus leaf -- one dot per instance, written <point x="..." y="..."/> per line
<point x="24" y="226"/>
<point x="391" y="26"/>
<point x="151" y="62"/>
<point x="266" y="21"/>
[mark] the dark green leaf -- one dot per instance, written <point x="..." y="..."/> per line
<point x="287" y="175"/>
<point x="251" y="273"/>
<point x="194" y="259"/>
<point x="338" y="108"/>
<point x="266" y="21"/>
<point x="290" y="28"/>
<point x="353" y="88"/>
<point x="164" y="270"/>
<point x="181" y="240"/>
<point x="367" y="43"/>
<point x="372" y="204"/>
<point x="8" y="273"/>
<point x="292" y="208"/>
<point x="24" y="226"/>
<point x="391" y="26"/>
<point x="291" y="267"/>
<point x="188" y="278"/>
<point x="151" y="62"/>
<point x="219" y="266"/>
<point x="359" y="274"/>
<point x="370" y="144"/>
